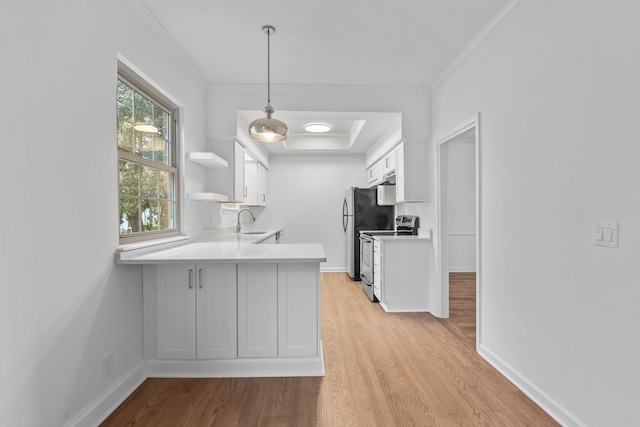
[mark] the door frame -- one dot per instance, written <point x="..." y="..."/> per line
<point x="442" y="243"/>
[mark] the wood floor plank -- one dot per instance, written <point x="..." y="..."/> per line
<point x="382" y="369"/>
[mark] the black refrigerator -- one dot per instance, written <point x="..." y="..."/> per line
<point x="360" y="211"/>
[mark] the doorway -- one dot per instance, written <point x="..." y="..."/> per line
<point x="458" y="239"/>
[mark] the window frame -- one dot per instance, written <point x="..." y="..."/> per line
<point x="138" y="82"/>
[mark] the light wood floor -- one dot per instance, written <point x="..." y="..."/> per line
<point x="382" y="369"/>
<point x="462" y="306"/>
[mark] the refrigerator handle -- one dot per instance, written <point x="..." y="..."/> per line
<point x="345" y="218"/>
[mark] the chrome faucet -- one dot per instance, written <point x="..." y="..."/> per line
<point x="238" y="227"/>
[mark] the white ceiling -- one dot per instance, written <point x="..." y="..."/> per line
<point x="322" y="42"/>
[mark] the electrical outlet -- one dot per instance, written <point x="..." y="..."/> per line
<point x="107" y="365"/>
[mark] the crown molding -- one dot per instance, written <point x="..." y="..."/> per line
<point x="252" y="87"/>
<point x="502" y="16"/>
<point x="148" y="16"/>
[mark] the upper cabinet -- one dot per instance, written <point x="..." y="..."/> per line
<point x="388" y="165"/>
<point x="262" y="185"/>
<point x="412" y="177"/>
<point x="374" y="174"/>
<point x="255" y="181"/>
<point x="382" y="170"/>
<point x="240" y="190"/>
<point x="406" y="165"/>
<point x="228" y="181"/>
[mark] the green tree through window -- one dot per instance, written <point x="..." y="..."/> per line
<point x="146" y="165"/>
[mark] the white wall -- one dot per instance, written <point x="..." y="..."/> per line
<point x="305" y="198"/>
<point x="557" y="90"/>
<point x="462" y="204"/>
<point x="63" y="302"/>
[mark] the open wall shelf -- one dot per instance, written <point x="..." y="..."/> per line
<point x="208" y="160"/>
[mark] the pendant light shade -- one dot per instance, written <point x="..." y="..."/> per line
<point x="268" y="129"/>
<point x="145" y="127"/>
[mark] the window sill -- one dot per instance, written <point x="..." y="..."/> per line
<point x="151" y="244"/>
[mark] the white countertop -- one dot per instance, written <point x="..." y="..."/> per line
<point x="228" y="247"/>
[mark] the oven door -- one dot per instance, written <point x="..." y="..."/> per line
<point x="366" y="264"/>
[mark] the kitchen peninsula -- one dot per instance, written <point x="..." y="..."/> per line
<point x="231" y="306"/>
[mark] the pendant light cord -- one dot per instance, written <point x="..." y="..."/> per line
<point x="268" y="67"/>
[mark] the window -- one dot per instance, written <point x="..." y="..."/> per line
<point x="147" y="171"/>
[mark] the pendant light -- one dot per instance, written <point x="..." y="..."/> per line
<point x="268" y="129"/>
<point x="145" y="127"/>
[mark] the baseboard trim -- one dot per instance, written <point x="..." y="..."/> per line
<point x="333" y="269"/>
<point x="102" y="406"/>
<point x="418" y="309"/>
<point x="548" y="404"/>
<point x="238" y="368"/>
<point x="462" y="269"/>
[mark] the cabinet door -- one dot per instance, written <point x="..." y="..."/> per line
<point x="400" y="174"/>
<point x="176" y="311"/>
<point x="251" y="181"/>
<point x="374" y="174"/>
<point x="239" y="187"/>
<point x="298" y="299"/>
<point x="389" y="164"/>
<point x="377" y="276"/>
<point x="412" y="177"/>
<point x="216" y="318"/>
<point x="262" y="185"/>
<point x="258" y="310"/>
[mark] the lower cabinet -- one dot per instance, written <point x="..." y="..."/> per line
<point x="235" y="311"/>
<point x="403" y="274"/>
<point x="196" y="311"/>
<point x="377" y="270"/>
<point x="298" y="310"/>
<point x="257" y="310"/>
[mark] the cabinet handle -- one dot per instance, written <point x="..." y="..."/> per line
<point x="191" y="278"/>
<point x="244" y="191"/>
<point x="200" y="278"/>
<point x="264" y="197"/>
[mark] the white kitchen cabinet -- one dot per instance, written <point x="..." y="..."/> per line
<point x="262" y="185"/>
<point x="403" y="274"/>
<point x="230" y="181"/>
<point x="250" y="181"/>
<point x="176" y="312"/>
<point x="298" y="309"/>
<point x="227" y="319"/>
<point x="386" y="195"/>
<point x="255" y="179"/>
<point x="377" y="270"/>
<point x="258" y="310"/>
<point x="388" y="165"/>
<point x="374" y="174"/>
<point x="196" y="311"/>
<point x="412" y="178"/>
<point x="239" y="185"/>
<point x="216" y="311"/>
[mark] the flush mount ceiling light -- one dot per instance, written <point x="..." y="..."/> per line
<point x="268" y="129"/>
<point x="317" y="127"/>
<point x="145" y="127"/>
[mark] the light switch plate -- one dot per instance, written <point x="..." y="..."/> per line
<point x="605" y="234"/>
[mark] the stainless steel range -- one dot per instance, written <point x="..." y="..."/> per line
<point x="406" y="225"/>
